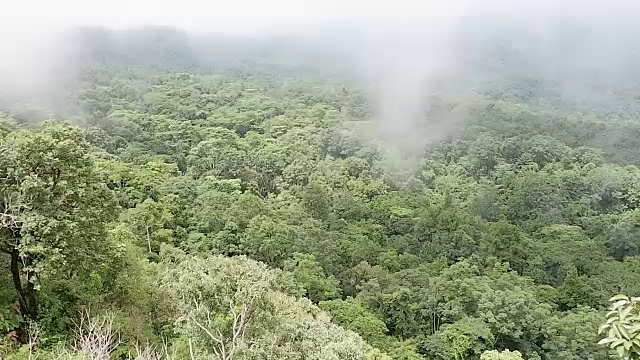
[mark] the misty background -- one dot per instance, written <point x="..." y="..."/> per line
<point x="574" y="56"/>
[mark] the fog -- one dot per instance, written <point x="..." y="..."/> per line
<point x="401" y="52"/>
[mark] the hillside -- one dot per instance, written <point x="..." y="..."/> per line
<point x="253" y="206"/>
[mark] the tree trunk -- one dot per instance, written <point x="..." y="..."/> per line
<point x="148" y="240"/>
<point x="30" y="294"/>
<point x="17" y="283"/>
<point x="26" y="295"/>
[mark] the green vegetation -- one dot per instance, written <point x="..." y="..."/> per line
<point x="218" y="214"/>
<point x="623" y="327"/>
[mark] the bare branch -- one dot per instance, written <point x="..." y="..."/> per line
<point x="96" y="337"/>
<point x="34" y="335"/>
<point x="191" y="350"/>
<point x="148" y="352"/>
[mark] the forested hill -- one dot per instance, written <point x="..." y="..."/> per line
<point x="571" y="64"/>
<point x="244" y="209"/>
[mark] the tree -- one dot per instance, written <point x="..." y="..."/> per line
<point x="53" y="211"/>
<point x="222" y="154"/>
<point x="464" y="338"/>
<point x="233" y="308"/>
<point x="310" y="275"/>
<point x="352" y="315"/>
<point x="504" y="355"/>
<point x="153" y="221"/>
<point x="7" y="124"/>
<point x="622" y="327"/>
<point x="573" y="335"/>
<point x="267" y="240"/>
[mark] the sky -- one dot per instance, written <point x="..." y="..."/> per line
<point x="213" y="13"/>
<point x="263" y="15"/>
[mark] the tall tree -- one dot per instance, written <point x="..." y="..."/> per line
<point x="53" y="209"/>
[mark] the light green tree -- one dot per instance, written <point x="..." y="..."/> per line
<point x="504" y="355"/>
<point x="230" y="308"/>
<point x="622" y="327"/>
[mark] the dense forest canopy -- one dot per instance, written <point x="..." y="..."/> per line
<point x="186" y="196"/>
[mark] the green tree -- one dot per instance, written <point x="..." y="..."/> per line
<point x="54" y="209"/>
<point x="460" y="340"/>
<point x="223" y="154"/>
<point x="572" y="335"/>
<point x="352" y="315"/>
<point x="310" y="275"/>
<point x="268" y="240"/>
<point x="153" y="221"/>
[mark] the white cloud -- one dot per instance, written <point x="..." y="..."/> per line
<point x="214" y="13"/>
<point x="252" y="15"/>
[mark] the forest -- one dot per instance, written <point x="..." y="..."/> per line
<point x="163" y="207"/>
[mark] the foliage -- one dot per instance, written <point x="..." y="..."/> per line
<point x="246" y="209"/>
<point x="53" y="212"/>
<point x="231" y="307"/>
<point x="504" y="355"/>
<point x="623" y="327"/>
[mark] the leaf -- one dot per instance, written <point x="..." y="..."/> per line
<point x="635" y="329"/>
<point x="619" y="297"/>
<point x="625" y="312"/>
<point x="603" y="328"/>
<point x="616" y="342"/>
<point x="606" y="341"/>
<point x="616" y="332"/>
<point x="625" y="334"/>
<point x="619" y="303"/>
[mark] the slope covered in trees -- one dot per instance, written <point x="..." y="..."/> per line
<point x="205" y="212"/>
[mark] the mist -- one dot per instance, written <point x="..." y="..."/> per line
<point x="585" y="53"/>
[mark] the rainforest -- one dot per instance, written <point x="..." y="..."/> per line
<point x="166" y="196"/>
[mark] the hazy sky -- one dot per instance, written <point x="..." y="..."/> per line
<point x="199" y="12"/>
<point x="251" y="15"/>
